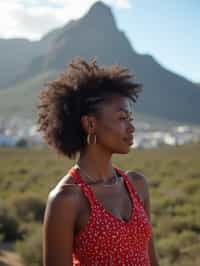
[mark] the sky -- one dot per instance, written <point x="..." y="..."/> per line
<point x="167" y="30"/>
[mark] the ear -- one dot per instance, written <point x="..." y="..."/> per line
<point x="88" y="123"/>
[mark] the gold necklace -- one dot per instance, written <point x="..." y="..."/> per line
<point x="98" y="181"/>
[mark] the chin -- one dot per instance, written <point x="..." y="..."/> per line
<point x="124" y="150"/>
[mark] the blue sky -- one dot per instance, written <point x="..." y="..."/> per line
<point x="168" y="30"/>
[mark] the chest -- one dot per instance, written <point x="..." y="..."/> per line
<point x="116" y="200"/>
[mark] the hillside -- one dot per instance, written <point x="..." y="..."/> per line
<point x="21" y="100"/>
<point x="17" y="54"/>
<point x="166" y="95"/>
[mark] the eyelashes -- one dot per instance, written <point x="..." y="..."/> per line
<point x="127" y="118"/>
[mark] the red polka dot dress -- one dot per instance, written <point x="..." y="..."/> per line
<point x="108" y="240"/>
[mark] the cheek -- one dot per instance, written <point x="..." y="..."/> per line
<point x="111" y="131"/>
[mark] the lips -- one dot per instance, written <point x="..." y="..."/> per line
<point x="130" y="139"/>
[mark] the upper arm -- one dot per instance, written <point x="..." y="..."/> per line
<point x="58" y="228"/>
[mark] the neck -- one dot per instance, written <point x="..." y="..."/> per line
<point x="97" y="163"/>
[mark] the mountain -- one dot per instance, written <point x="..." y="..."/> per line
<point x="17" y="54"/>
<point x="91" y="35"/>
<point x="166" y="95"/>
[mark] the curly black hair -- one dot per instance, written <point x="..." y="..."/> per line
<point x="77" y="92"/>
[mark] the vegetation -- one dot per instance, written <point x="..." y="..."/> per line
<point x="173" y="173"/>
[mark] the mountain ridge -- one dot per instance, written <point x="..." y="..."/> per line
<point x="166" y="94"/>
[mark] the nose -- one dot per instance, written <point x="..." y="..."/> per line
<point x="131" y="127"/>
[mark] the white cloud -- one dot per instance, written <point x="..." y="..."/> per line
<point x="33" y="18"/>
<point x="121" y="3"/>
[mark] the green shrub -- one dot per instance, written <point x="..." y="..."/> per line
<point x="22" y="143"/>
<point x="9" y="225"/>
<point x="169" y="246"/>
<point x="30" y="249"/>
<point x="173" y="175"/>
<point x="28" y="207"/>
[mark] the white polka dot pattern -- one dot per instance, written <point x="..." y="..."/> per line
<point x="108" y="240"/>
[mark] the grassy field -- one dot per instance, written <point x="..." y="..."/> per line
<point x="173" y="173"/>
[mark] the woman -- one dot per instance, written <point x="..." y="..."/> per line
<point x="97" y="214"/>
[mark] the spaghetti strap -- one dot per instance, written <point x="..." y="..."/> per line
<point x="134" y="193"/>
<point x="84" y="187"/>
<point x="87" y="189"/>
<point x="107" y="240"/>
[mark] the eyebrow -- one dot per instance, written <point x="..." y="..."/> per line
<point x="124" y="110"/>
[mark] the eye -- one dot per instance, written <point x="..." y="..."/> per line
<point x="126" y="118"/>
<point x="123" y="118"/>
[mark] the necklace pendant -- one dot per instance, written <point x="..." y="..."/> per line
<point x="111" y="183"/>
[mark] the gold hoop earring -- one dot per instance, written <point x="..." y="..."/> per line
<point x="89" y="139"/>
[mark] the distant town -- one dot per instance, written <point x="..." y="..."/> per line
<point x="19" y="132"/>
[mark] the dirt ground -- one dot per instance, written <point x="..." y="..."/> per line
<point x="9" y="258"/>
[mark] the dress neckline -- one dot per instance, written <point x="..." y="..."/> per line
<point x="128" y="189"/>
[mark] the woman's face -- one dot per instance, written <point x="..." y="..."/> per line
<point x="114" y="127"/>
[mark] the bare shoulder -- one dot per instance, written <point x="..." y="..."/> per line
<point x="140" y="181"/>
<point x="59" y="222"/>
<point x="66" y="186"/>
<point x="65" y="195"/>
<point x="136" y="176"/>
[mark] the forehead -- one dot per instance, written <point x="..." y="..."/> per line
<point x="117" y="104"/>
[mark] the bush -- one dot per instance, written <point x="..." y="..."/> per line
<point x="22" y="143"/>
<point x="9" y="225"/>
<point x="171" y="247"/>
<point x="29" y="208"/>
<point x="30" y="249"/>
